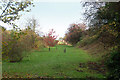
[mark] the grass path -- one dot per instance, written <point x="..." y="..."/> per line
<point x="55" y="63"/>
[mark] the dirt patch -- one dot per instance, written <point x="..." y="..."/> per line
<point x="97" y="67"/>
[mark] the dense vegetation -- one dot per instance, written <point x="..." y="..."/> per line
<point x="74" y="33"/>
<point x="26" y="48"/>
<point x="14" y="44"/>
<point x="103" y="36"/>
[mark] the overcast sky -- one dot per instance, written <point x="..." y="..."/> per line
<point x="56" y="15"/>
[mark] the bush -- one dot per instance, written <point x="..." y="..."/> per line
<point x="87" y="40"/>
<point x="39" y="43"/>
<point x="16" y="43"/>
<point x="113" y="65"/>
<point x="13" y="47"/>
<point x="5" y="42"/>
<point x="16" y="52"/>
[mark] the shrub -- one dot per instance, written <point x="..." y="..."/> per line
<point x="5" y="41"/>
<point x="16" y="43"/>
<point x="87" y="40"/>
<point x="15" y="47"/>
<point x="39" y="43"/>
<point x="113" y="65"/>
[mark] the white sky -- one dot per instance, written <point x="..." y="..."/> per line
<point x="56" y="15"/>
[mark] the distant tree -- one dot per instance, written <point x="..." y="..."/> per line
<point x="60" y="38"/>
<point x="50" y="39"/>
<point x="31" y="26"/>
<point x="74" y="33"/>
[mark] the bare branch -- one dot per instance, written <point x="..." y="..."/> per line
<point x="5" y="8"/>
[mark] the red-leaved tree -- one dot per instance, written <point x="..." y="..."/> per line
<point x="74" y="33"/>
<point x="50" y="39"/>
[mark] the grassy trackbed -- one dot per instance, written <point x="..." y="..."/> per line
<point x="55" y="64"/>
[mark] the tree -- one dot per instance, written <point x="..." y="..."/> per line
<point x="60" y="39"/>
<point x="10" y="12"/>
<point x="74" y="33"/>
<point x="90" y="15"/>
<point x="107" y="13"/>
<point x="31" y="25"/>
<point x="50" y="39"/>
<point x="11" y="9"/>
<point x="107" y="17"/>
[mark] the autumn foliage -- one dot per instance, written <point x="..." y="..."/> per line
<point x="50" y="38"/>
<point x="14" y="44"/>
<point x="74" y="33"/>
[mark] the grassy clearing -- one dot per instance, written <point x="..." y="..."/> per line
<point x="55" y="63"/>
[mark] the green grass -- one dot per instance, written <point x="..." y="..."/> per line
<point x="55" y="63"/>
